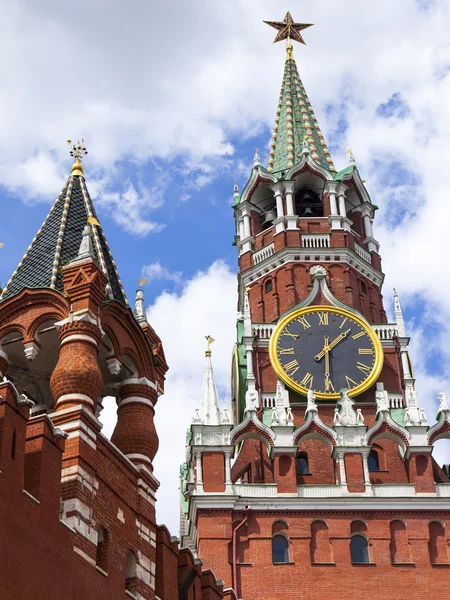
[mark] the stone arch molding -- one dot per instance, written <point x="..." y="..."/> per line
<point x="251" y="427"/>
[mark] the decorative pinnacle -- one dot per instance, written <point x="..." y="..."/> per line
<point x="78" y="150"/>
<point x="209" y="341"/>
<point x="288" y="30"/>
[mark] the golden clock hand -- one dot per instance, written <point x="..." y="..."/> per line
<point x="334" y="343"/>
<point x="327" y="359"/>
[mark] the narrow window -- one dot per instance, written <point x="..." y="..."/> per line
<point x="13" y="445"/>
<point x="373" y="461"/>
<point x="130" y="584"/>
<point x="268" y="286"/>
<point x="280" y="549"/>
<point x="102" y="549"/>
<point x="359" y="550"/>
<point x="363" y="287"/>
<point x="320" y="548"/>
<point x="302" y="464"/>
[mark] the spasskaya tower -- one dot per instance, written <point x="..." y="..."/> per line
<point x="324" y="467"/>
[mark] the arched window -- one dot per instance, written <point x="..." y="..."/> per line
<point x="359" y="549"/>
<point x="308" y="204"/>
<point x="437" y="546"/>
<point x="302" y="464"/>
<point x="373" y="461"/>
<point x="130" y="584"/>
<point x="268" y="286"/>
<point x="102" y="549"/>
<point x="280" y="549"/>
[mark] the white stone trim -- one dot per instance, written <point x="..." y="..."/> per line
<point x="3" y="355"/>
<point x="140" y="381"/>
<point x="90" y="560"/>
<point x="83" y="397"/>
<point x="137" y="456"/>
<point x="133" y="400"/>
<point x="288" y="254"/>
<point x="79" y="337"/>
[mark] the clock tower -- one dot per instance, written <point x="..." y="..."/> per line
<point x="324" y="466"/>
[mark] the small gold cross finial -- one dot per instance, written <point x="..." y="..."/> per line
<point x="77" y="151"/>
<point x="209" y="341"/>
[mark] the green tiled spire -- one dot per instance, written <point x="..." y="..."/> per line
<point x="295" y="122"/>
<point x="57" y="243"/>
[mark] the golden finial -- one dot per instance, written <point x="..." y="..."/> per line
<point x="209" y="341"/>
<point x="78" y="150"/>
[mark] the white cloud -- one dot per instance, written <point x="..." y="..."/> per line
<point x="155" y="271"/>
<point x="205" y="306"/>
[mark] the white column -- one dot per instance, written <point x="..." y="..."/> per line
<point x="368" y="225"/>
<point x="228" y="471"/>
<point x="405" y="363"/>
<point x="246" y="225"/>
<point x="333" y="205"/>
<point x="367" y="483"/>
<point x="342" y="210"/>
<point x="342" y="472"/>
<point x="198" y="465"/>
<point x="291" y="217"/>
<point x="241" y="229"/>
<point x="250" y="373"/>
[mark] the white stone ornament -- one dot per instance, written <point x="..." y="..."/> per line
<point x="197" y="418"/>
<point x="443" y="405"/>
<point x="318" y="271"/>
<point x="347" y="414"/>
<point x="311" y="406"/>
<point x="251" y="400"/>
<point x="381" y="398"/>
<point x="359" y="417"/>
<point x="274" y="420"/>
<point x="225" y="417"/>
<point x="289" y="416"/>
<point x="337" y="416"/>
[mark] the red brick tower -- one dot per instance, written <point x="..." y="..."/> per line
<point x="78" y="510"/>
<point x="333" y="478"/>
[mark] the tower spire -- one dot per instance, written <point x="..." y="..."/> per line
<point x="295" y="121"/>
<point x="70" y="232"/>
<point x="399" y="316"/>
<point x="210" y="405"/>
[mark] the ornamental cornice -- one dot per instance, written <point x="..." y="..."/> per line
<point x="441" y="429"/>
<point x="288" y="254"/>
<point x="314" y="426"/>
<point x="307" y="163"/>
<point x="387" y="427"/>
<point x="257" y="177"/>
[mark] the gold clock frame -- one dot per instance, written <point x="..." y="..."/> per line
<point x="362" y="387"/>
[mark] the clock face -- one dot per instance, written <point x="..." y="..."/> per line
<point x="324" y="349"/>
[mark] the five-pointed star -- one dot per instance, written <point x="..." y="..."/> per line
<point x="288" y="29"/>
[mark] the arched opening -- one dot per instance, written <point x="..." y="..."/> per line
<point x="320" y="548"/>
<point x="363" y="288"/>
<point x="268" y="286"/>
<point x="302" y="464"/>
<point x="373" y="461"/>
<point x="359" y="549"/>
<point x="436" y="546"/>
<point x="399" y="543"/>
<point x="280" y="549"/>
<point x="102" y="549"/>
<point x="440" y="460"/>
<point x="130" y="584"/>
<point x="308" y="204"/>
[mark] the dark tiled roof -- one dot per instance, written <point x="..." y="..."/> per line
<point x="57" y="242"/>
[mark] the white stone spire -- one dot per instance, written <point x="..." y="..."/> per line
<point x="210" y="405"/>
<point x="399" y="316"/>
<point x="256" y="159"/>
<point x="86" y="249"/>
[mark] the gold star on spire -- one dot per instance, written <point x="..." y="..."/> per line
<point x="288" y="30"/>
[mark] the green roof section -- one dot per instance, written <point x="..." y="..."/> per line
<point x="57" y="242"/>
<point x="295" y="122"/>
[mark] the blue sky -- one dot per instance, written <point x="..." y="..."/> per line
<point x="170" y="120"/>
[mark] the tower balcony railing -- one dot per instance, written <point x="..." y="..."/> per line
<point x="263" y="331"/>
<point x="264" y="253"/>
<point x="363" y="253"/>
<point x="386" y="331"/>
<point x="255" y="490"/>
<point x="316" y="240"/>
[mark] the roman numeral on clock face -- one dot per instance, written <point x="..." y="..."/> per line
<point x="307" y="380"/>
<point x="291" y="367"/>
<point x="358" y="335"/>
<point x="323" y="318"/>
<point x="350" y="382"/>
<point x="292" y="335"/>
<point x="304" y="322"/>
<point x="364" y="368"/>
<point x="365" y="351"/>
<point x="286" y="351"/>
